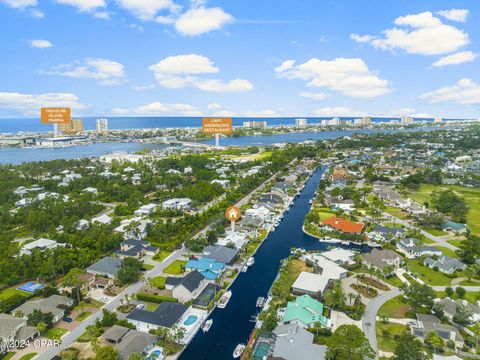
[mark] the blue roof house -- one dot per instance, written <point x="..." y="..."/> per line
<point x="209" y="268"/>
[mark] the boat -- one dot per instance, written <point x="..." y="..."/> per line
<point x="310" y="201"/>
<point x="245" y="268"/>
<point x="207" y="325"/>
<point x="345" y="242"/>
<point x="260" y="301"/>
<point x="224" y="299"/>
<point x="250" y="261"/>
<point x="238" y="351"/>
<point x="329" y="240"/>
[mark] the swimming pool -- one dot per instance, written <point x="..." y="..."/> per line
<point x="190" y="320"/>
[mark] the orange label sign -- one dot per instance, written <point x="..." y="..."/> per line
<point x="217" y="125"/>
<point x="55" y="115"/>
<point x="232" y="213"/>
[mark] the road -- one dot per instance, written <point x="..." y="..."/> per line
<point x="111" y="306"/>
<point x="439" y="241"/>
<point x="370" y="316"/>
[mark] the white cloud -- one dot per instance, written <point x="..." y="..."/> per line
<point x="41" y="44"/>
<point x="106" y="72"/>
<point x="338" y="111"/>
<point x="37" y="14"/>
<point x="103" y="15"/>
<point x="175" y="72"/>
<point x="216" y="109"/>
<point x="30" y="104"/>
<point x="263" y="113"/>
<point x="157" y="108"/>
<point x="143" y="88"/>
<point x="465" y="91"/>
<point x="351" y="77"/>
<point x="456" y="58"/>
<point x="84" y="5"/>
<point x="316" y="96"/>
<point x="19" y="4"/>
<point x="148" y="9"/>
<point x="201" y="20"/>
<point x="422" y="34"/>
<point x="459" y="15"/>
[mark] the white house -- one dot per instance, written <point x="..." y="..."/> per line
<point x="224" y="183"/>
<point x="310" y="283"/>
<point x="339" y="256"/>
<point x="145" y="209"/>
<point x="177" y="204"/>
<point x="102" y="219"/>
<point x="237" y="239"/>
<point x="42" y="243"/>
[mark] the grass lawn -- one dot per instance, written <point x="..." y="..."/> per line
<point x="455" y="242"/>
<point x="148" y="266"/>
<point x="430" y="276"/>
<point x="395" y="308"/>
<point x="447" y="251"/>
<point x="393" y="280"/>
<point x="434" y="231"/>
<point x="158" y="282"/>
<point x="470" y="296"/>
<point x="396" y="212"/>
<point x="151" y="306"/>
<point x="82" y="316"/>
<point x="162" y="255"/>
<point x="470" y="283"/>
<point x="8" y="356"/>
<point x="54" y="333"/>
<point x="386" y="335"/>
<point x="470" y="195"/>
<point x="28" y="356"/>
<point x="175" y="268"/>
<point x="6" y="293"/>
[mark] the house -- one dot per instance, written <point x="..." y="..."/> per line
<point x="188" y="287"/>
<point x="224" y="183"/>
<point x="380" y="259"/>
<point x="292" y="342"/>
<point x="413" y="248"/>
<point x="344" y="226"/>
<point x="55" y="304"/>
<point x="102" y="219"/>
<point x="450" y="306"/>
<point x="129" y="341"/>
<point x="177" y="204"/>
<point x="136" y="249"/>
<point x="339" y="174"/>
<point x="324" y="266"/>
<point x="445" y="264"/>
<point x="108" y="266"/>
<point x="386" y="233"/>
<point x="91" y="190"/>
<point x="209" y="268"/>
<point x="271" y="198"/>
<point x="339" y="256"/>
<point x="14" y="329"/>
<point x="41" y="244"/>
<point x="234" y="239"/>
<point x="221" y="254"/>
<point x="82" y="225"/>
<point x="453" y="226"/>
<point x="134" y="228"/>
<point x="256" y="216"/>
<point x="305" y="311"/>
<point x="310" y="284"/>
<point x="428" y="323"/>
<point x="145" y="210"/>
<point x="165" y="316"/>
<point x="346" y="205"/>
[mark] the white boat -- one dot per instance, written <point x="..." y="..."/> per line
<point x="224" y="299"/>
<point x="238" y="351"/>
<point x="250" y="261"/>
<point x="245" y="268"/>
<point x="345" y="242"/>
<point x="207" y="325"/>
<point x="329" y="240"/>
<point x="310" y="201"/>
<point x="260" y="301"/>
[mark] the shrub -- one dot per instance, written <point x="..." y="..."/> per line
<point x="155" y="298"/>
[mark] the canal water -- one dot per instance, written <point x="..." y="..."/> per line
<point x="232" y="325"/>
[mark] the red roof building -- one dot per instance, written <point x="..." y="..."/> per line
<point x="344" y="226"/>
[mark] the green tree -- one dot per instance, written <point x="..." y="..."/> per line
<point x="335" y="298"/>
<point x="41" y="327"/>
<point x="434" y="341"/>
<point x="449" y="291"/>
<point x="462" y="315"/>
<point x="410" y="348"/>
<point x="72" y="279"/>
<point x="37" y="316"/>
<point x="447" y="202"/>
<point x="348" y="342"/>
<point x="106" y="353"/>
<point x="460" y="292"/>
<point x="469" y="249"/>
<point x="135" y="356"/>
<point x="420" y="295"/>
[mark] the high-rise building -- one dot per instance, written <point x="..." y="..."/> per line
<point x="102" y="125"/>
<point x="366" y="120"/>
<point x="259" y="124"/>
<point x="301" y="122"/>
<point x="73" y="128"/>
<point x="437" y="120"/>
<point x="406" y="120"/>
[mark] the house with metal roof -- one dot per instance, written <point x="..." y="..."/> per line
<point x="165" y="316"/>
<point x="188" y="287"/>
<point x="292" y="342"/>
<point x="108" y="266"/>
<point x="305" y="311"/>
<point x="445" y="264"/>
<point x="221" y="254"/>
<point x="310" y="283"/>
<point x="208" y="267"/>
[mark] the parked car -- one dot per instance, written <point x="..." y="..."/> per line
<point x="140" y="306"/>
<point x="67" y="319"/>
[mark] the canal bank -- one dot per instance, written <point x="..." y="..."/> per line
<point x="232" y="325"/>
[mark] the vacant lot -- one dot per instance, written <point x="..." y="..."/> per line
<point x="396" y="309"/>
<point x="175" y="268"/>
<point x="386" y="335"/>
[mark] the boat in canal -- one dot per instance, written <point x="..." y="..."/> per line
<point x="245" y="268"/>
<point x="238" y="351"/>
<point x="260" y="301"/>
<point x="207" y="325"/>
<point x="224" y="299"/>
<point x="250" y="261"/>
<point x="329" y="240"/>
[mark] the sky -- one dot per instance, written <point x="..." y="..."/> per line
<point x="241" y="58"/>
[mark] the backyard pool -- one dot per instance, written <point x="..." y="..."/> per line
<point x="190" y="320"/>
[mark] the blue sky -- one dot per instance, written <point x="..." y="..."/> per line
<point x="240" y="58"/>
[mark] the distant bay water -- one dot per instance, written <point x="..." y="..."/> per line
<point x="15" y="125"/>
